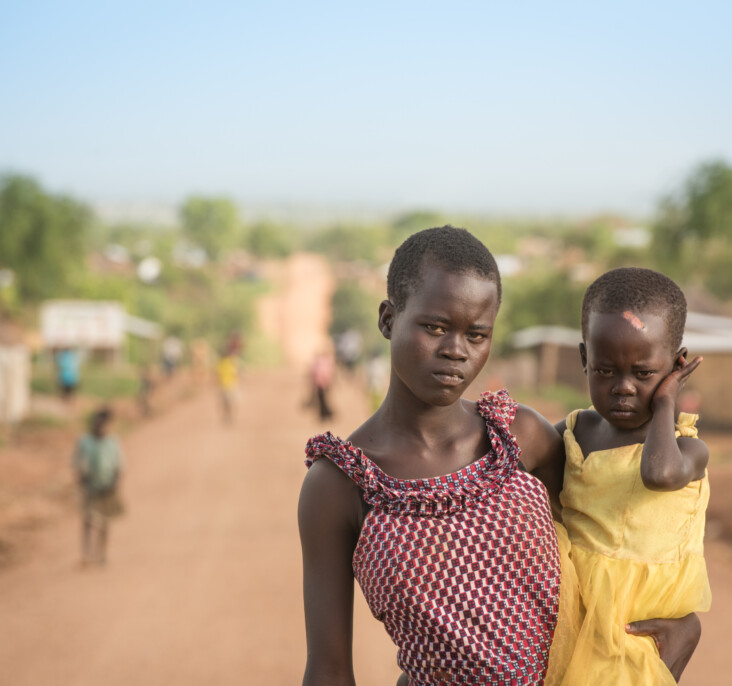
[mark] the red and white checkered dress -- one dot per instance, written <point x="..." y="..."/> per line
<point x="462" y="569"/>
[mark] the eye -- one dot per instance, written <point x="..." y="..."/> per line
<point x="645" y="373"/>
<point x="434" y="328"/>
<point x="476" y="337"/>
<point x="605" y="373"/>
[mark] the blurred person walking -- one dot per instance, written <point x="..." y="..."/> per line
<point x="67" y="371"/>
<point x="321" y="378"/>
<point x="145" y="390"/>
<point x="97" y="463"/>
<point x="227" y="375"/>
<point x="349" y="346"/>
<point x="171" y="355"/>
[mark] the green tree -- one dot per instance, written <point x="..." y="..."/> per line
<point x="349" y="243"/>
<point x="701" y="212"/>
<point x="545" y="299"/>
<point x="269" y="240"/>
<point x="211" y="223"/>
<point x="407" y="224"/>
<point x="693" y="234"/>
<point x="353" y="307"/>
<point x="42" y="237"/>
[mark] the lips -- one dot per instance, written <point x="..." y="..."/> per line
<point x="449" y="377"/>
<point x="622" y="411"/>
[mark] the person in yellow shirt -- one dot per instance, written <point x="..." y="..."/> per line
<point x="227" y="375"/>
<point x="635" y="481"/>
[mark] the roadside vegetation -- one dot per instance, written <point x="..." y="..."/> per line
<point x="202" y="277"/>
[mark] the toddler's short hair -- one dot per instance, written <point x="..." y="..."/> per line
<point x="454" y="250"/>
<point x="637" y="289"/>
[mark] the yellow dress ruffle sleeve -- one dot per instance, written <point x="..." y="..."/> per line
<point x="638" y="554"/>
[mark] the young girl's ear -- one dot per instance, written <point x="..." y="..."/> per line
<point x="386" y="318"/>
<point x="583" y="356"/>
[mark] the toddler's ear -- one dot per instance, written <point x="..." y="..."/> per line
<point x="583" y="356"/>
<point x="386" y="318"/>
<point x="681" y="355"/>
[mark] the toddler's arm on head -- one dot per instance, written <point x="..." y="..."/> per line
<point x="669" y="463"/>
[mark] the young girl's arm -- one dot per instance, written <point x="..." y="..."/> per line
<point x="669" y="463"/>
<point x="676" y="639"/>
<point x="329" y="519"/>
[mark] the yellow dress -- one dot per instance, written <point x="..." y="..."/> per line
<point x="638" y="555"/>
<point x="569" y="615"/>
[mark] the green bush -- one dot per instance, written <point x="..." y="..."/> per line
<point x="270" y="240"/>
<point x="350" y="243"/>
<point x="355" y="308"/>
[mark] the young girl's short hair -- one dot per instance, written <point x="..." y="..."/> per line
<point x="452" y="249"/>
<point x="637" y="289"/>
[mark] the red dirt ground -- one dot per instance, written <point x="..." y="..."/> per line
<point x="203" y="583"/>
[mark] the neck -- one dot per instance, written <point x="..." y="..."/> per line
<point x="426" y="424"/>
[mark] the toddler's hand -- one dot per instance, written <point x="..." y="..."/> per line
<point x="674" y="382"/>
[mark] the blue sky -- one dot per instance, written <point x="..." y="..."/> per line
<point x="496" y="107"/>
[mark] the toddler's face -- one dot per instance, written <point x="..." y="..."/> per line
<point x="626" y="356"/>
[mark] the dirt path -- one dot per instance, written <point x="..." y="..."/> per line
<point x="203" y="584"/>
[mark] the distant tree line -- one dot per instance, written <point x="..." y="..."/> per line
<point x="46" y="240"/>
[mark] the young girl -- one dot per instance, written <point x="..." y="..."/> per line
<point x="427" y="505"/>
<point x="635" y="486"/>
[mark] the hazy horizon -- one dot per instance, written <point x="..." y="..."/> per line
<point x="481" y="108"/>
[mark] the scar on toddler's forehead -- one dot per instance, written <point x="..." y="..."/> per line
<point x="633" y="320"/>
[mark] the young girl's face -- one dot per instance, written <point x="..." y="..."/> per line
<point x="442" y="337"/>
<point x="626" y="356"/>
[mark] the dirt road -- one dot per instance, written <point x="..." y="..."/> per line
<point x="203" y="583"/>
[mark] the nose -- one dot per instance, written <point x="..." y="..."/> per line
<point x="624" y="386"/>
<point x="453" y="348"/>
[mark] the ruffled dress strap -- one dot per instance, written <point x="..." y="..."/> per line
<point x="498" y="410"/>
<point x="435" y="496"/>
<point x="571" y="419"/>
<point x="686" y="425"/>
<point x="344" y="455"/>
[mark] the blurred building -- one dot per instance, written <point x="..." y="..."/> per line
<point x="92" y="326"/>
<point x="552" y="358"/>
<point x="14" y="373"/>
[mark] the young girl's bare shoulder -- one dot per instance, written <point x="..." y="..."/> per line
<point x="329" y="498"/>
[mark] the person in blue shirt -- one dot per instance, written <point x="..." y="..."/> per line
<point x="67" y="371"/>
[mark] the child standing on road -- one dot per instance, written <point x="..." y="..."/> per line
<point x="434" y="504"/>
<point x="97" y="463"/>
<point x="227" y="375"/>
<point x="635" y="484"/>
